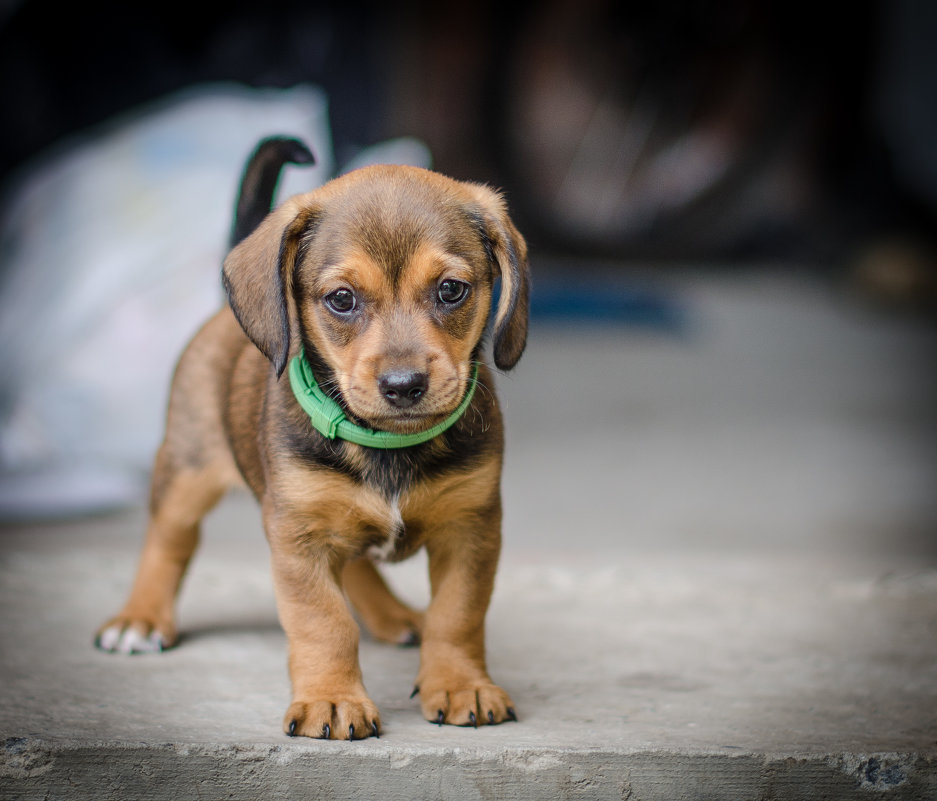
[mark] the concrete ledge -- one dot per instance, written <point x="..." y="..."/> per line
<point x="662" y="675"/>
<point x="118" y="771"/>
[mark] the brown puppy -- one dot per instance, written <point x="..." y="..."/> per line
<point x="383" y="279"/>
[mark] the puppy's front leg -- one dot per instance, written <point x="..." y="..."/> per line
<point x="453" y="681"/>
<point x="329" y="698"/>
<point x="383" y="614"/>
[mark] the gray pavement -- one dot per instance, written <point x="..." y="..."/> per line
<point x="719" y="581"/>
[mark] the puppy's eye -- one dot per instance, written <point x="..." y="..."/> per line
<point x="451" y="291"/>
<point x="342" y="301"/>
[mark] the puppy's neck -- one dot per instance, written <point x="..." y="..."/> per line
<point x="331" y="420"/>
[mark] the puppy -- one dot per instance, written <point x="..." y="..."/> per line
<point x="345" y="384"/>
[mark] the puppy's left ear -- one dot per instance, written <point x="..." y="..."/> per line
<point x="258" y="277"/>
<point x="509" y="252"/>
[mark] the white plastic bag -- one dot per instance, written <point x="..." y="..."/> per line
<point x="111" y="253"/>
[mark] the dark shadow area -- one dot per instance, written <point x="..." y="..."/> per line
<point x="243" y="625"/>
<point x="718" y="130"/>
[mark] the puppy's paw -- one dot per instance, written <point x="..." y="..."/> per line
<point x="470" y="703"/>
<point x="344" y="718"/>
<point x="125" y="635"/>
<point x="403" y="628"/>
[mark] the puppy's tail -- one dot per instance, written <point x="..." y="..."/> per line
<point x="259" y="181"/>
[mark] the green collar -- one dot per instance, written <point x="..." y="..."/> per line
<point x="329" y="419"/>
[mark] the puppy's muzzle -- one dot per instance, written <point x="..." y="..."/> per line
<point x="403" y="389"/>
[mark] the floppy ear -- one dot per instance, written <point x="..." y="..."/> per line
<point x="509" y="252"/>
<point x="257" y="276"/>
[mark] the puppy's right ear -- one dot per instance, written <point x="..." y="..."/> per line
<point x="258" y="277"/>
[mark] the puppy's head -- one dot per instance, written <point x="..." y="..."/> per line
<point x="385" y="277"/>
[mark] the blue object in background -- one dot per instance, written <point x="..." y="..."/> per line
<point x="607" y="302"/>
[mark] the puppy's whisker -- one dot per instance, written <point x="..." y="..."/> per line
<point x="334" y="391"/>
<point x="485" y="389"/>
<point x="332" y="388"/>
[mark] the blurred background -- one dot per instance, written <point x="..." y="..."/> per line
<point x="672" y="128"/>
<point x="630" y="139"/>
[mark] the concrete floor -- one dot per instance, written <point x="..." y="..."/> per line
<point x="719" y="581"/>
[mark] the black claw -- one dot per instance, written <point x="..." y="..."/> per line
<point x="512" y="714"/>
<point x="291" y="731"/>
<point x="374" y="730"/>
<point x="440" y="717"/>
<point x="473" y="720"/>
<point x="491" y="718"/>
<point x="415" y="692"/>
<point x="351" y="731"/>
<point x="410" y="639"/>
<point x="326" y="732"/>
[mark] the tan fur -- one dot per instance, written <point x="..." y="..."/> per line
<point x="391" y="234"/>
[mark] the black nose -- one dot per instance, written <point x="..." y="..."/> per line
<point x="403" y="388"/>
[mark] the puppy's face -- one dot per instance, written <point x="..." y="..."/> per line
<point x="386" y="277"/>
<point x="396" y="313"/>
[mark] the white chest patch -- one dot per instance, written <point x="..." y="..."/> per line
<point x="385" y="550"/>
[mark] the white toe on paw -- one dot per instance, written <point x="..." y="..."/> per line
<point x="109" y="638"/>
<point x="121" y="640"/>
<point x="133" y="642"/>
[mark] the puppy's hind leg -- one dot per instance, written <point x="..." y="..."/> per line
<point x="387" y="617"/>
<point x="179" y="500"/>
